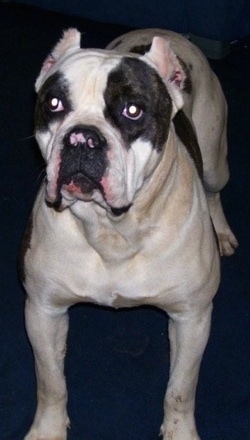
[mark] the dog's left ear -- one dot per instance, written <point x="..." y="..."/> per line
<point x="169" y="68"/>
<point x="69" y="42"/>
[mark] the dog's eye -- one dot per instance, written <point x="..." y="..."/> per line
<point x="55" y="104"/>
<point x="132" y="111"/>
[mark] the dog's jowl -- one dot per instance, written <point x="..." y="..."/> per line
<point x="134" y="139"/>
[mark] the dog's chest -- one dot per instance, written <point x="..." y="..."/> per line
<point x="120" y="271"/>
<point x="137" y="280"/>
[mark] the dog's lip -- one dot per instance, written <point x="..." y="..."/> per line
<point x="52" y="195"/>
<point x="55" y="190"/>
<point x="55" y="196"/>
<point x="119" y="211"/>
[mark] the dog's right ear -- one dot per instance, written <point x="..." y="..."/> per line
<point x="169" y="68"/>
<point x="69" y="42"/>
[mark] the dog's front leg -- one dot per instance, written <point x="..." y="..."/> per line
<point x="188" y="334"/>
<point x="47" y="331"/>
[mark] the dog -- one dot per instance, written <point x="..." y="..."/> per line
<point x="134" y="140"/>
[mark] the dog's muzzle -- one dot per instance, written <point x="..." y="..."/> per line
<point x="83" y="161"/>
<point x="82" y="164"/>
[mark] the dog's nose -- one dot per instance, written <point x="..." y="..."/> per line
<point x="89" y="137"/>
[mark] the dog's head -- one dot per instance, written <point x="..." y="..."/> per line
<point x="102" y="120"/>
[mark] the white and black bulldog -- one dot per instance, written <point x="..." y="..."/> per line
<point x="129" y="209"/>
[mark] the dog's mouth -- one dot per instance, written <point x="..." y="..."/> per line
<point x="76" y="186"/>
<point x="80" y="187"/>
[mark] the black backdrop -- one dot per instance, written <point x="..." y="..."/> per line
<point x="223" y="20"/>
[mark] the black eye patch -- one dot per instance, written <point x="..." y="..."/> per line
<point x="55" y="89"/>
<point x="134" y="82"/>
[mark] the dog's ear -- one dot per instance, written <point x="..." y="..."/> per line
<point x="169" y="68"/>
<point x="69" y="42"/>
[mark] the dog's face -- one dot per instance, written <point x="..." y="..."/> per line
<point x="102" y="120"/>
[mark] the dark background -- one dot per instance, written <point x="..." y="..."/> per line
<point x="216" y="19"/>
<point x="117" y="361"/>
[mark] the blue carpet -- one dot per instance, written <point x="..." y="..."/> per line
<point x="117" y="362"/>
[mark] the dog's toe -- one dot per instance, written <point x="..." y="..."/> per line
<point x="227" y="243"/>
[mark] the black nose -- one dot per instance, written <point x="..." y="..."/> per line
<point x="88" y="136"/>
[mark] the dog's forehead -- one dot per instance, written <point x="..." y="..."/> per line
<point x="88" y="71"/>
<point x="89" y="61"/>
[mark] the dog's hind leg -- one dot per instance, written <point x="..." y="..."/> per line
<point x="209" y="114"/>
<point x="188" y="334"/>
<point x="47" y="329"/>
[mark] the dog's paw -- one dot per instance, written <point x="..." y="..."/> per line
<point x="43" y="432"/>
<point x="227" y="243"/>
<point x="227" y="240"/>
<point x="34" y="435"/>
<point x="178" y="431"/>
<point x="50" y="423"/>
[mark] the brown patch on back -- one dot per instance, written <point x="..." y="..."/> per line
<point x="186" y="134"/>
